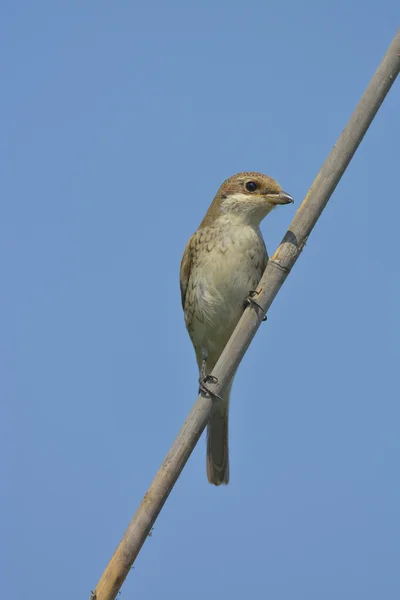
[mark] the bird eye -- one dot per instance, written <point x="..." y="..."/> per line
<point x="251" y="186"/>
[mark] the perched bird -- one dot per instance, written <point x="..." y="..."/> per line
<point x="222" y="263"/>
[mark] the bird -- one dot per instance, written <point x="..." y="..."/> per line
<point x="221" y="267"/>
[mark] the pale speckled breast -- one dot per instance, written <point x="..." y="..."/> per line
<point x="226" y="264"/>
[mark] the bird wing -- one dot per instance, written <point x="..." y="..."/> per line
<point x="186" y="265"/>
<point x="265" y="262"/>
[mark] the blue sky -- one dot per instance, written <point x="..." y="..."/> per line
<point x="119" y="123"/>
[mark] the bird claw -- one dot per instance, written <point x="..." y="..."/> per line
<point x="249" y="301"/>
<point x="203" y="387"/>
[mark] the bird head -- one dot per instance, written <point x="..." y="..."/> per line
<point x="247" y="198"/>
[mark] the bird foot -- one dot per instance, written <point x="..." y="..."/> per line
<point x="249" y="301"/>
<point x="206" y="390"/>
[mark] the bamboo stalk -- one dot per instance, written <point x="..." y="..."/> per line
<point x="275" y="274"/>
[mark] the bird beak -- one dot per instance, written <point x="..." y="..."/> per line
<point x="281" y="198"/>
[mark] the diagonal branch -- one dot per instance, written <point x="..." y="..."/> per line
<point x="277" y="270"/>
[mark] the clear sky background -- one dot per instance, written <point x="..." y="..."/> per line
<point x="119" y="122"/>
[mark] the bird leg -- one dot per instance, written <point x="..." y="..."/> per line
<point x="204" y="379"/>
<point x="249" y="301"/>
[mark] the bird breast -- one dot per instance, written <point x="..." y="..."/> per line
<point x="228" y="262"/>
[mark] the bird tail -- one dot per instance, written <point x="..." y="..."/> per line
<point x="217" y="442"/>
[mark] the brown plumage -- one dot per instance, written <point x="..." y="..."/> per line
<point x="223" y="260"/>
